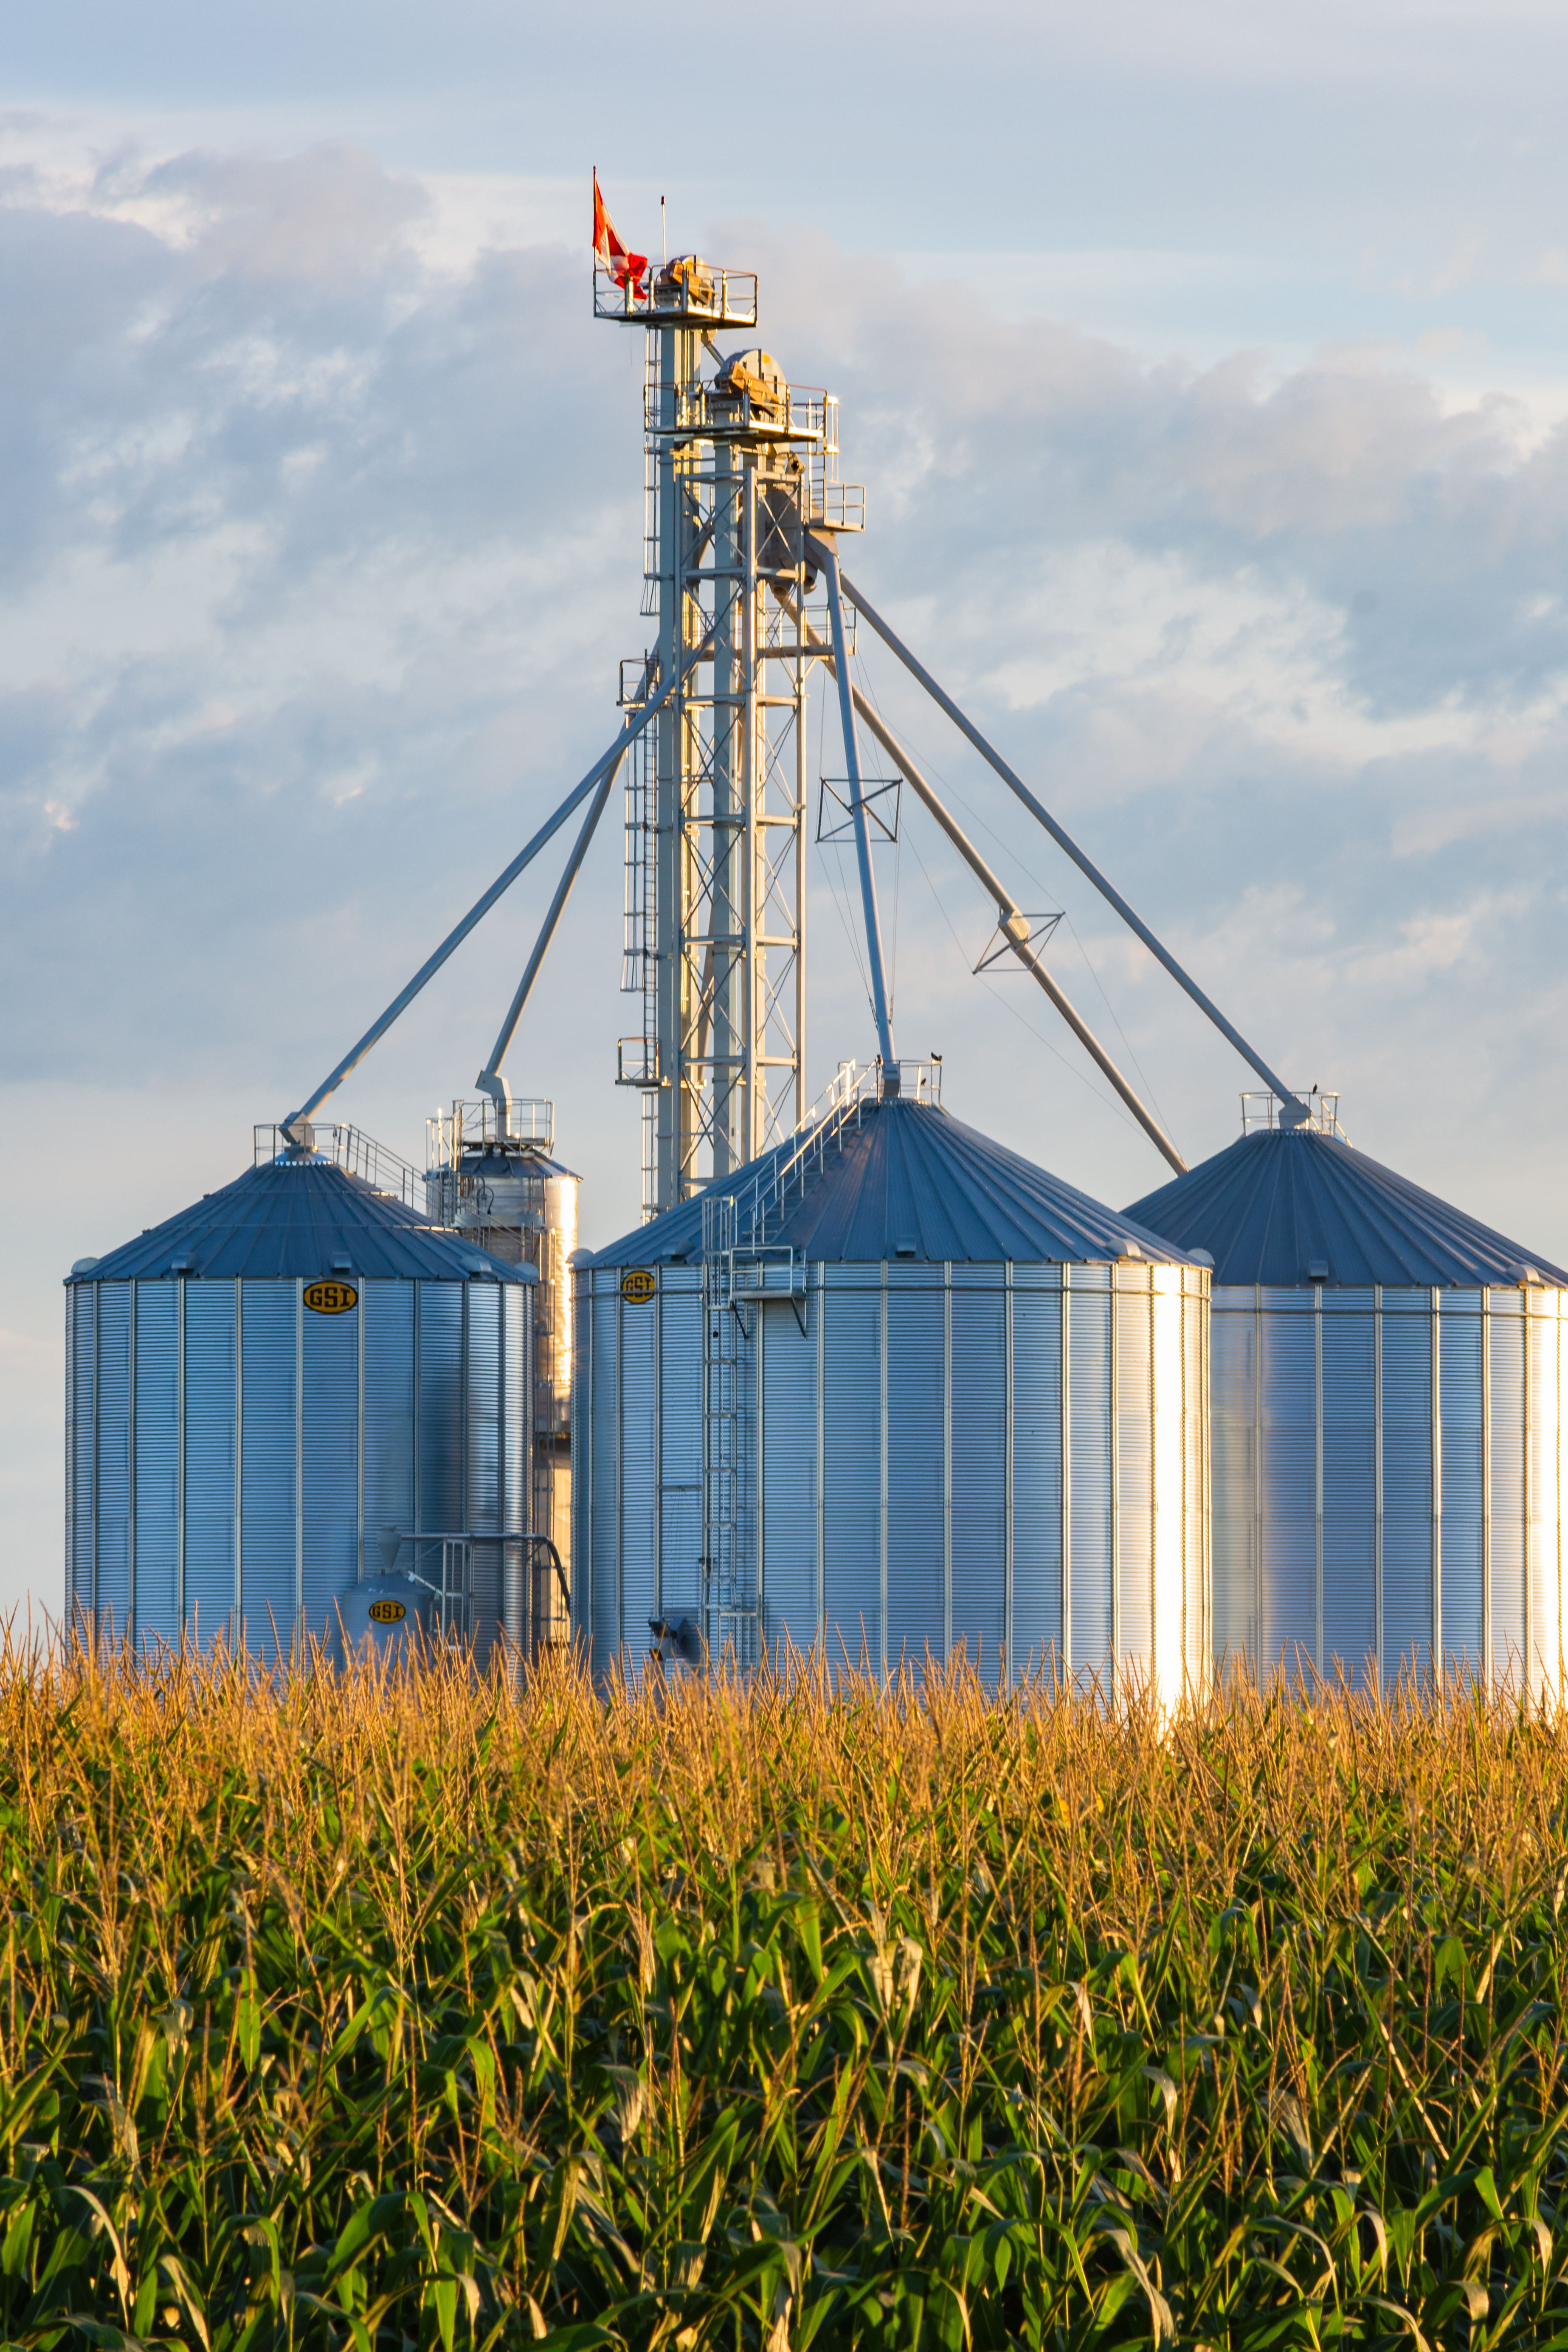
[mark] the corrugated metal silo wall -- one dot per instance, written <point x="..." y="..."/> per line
<point x="1388" y="1481"/>
<point x="232" y="1458"/>
<point x="926" y="1468"/>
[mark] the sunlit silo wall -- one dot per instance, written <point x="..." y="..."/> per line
<point x="975" y="1426"/>
<point x="1387" y="1426"/>
<point x="491" y="1177"/>
<point x="238" y="1458"/>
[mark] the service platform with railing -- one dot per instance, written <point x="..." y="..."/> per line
<point x="684" y="291"/>
<point x="1308" y="1106"/>
<point x="348" y="1148"/>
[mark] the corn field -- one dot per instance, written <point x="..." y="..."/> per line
<point x="339" y="2012"/>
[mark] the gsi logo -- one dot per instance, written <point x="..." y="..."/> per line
<point x="637" y="1285"/>
<point x="387" y="1613"/>
<point x="330" y="1297"/>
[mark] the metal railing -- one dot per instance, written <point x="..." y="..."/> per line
<point x="836" y="506"/>
<point x="348" y="1148"/>
<point x="1261" y="1110"/>
<point x="478" y="1126"/>
<point x="382" y="1170"/>
<point x="673" y="292"/>
<point x="802" y="413"/>
<point x="736" y="1224"/>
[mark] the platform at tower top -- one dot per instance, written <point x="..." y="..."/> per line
<point x="684" y="291"/>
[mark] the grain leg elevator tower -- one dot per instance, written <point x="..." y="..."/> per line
<point x="740" y="465"/>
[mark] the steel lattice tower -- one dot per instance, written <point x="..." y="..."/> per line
<point x="739" y="465"/>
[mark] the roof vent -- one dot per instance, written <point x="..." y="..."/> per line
<point x="1529" y="1274"/>
<point x="86" y="1264"/>
<point x="181" y="1264"/>
<point x="905" y="1245"/>
<point x="1134" y="1249"/>
<point x="1317" y="1269"/>
<point x="1201" y="1257"/>
<point x="343" y="1262"/>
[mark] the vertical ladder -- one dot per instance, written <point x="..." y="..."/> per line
<point x="730" y="1612"/>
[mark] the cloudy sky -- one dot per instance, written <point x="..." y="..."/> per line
<point x="1206" y="370"/>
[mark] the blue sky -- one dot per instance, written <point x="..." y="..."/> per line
<point x="1206" y="372"/>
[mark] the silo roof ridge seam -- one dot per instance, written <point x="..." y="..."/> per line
<point x="1260" y="1205"/>
<point x="270" y="1223"/>
<point x="901" y="1172"/>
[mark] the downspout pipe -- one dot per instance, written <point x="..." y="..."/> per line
<point x="490" y="1080"/>
<point x="295" y="1126"/>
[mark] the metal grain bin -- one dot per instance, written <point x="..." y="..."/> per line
<point x="288" y="1388"/>
<point x="490" y="1175"/>
<point x="893" y="1391"/>
<point x="1387" y="1383"/>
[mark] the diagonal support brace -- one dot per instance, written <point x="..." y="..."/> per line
<point x="489" y="1079"/>
<point x="1295" y="1111"/>
<point x="481" y="907"/>
<point x="826" y="556"/>
<point x="1008" y="916"/>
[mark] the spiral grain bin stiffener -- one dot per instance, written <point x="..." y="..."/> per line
<point x="1387" y="1388"/>
<point x="272" y="1397"/>
<point x="935" y="1403"/>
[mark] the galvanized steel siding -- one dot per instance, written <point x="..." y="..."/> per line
<point x="114" y="1460"/>
<point x="1437" y="1453"/>
<point x="156" y="1598"/>
<point x="1234" y="1442"/>
<point x="1198" y="1521"/>
<point x="1134" y="1472"/>
<point x="679" y="1311"/>
<point x="516" y="1419"/>
<point x="81" y="1419"/>
<point x="908" y="1452"/>
<point x="1091" y="1533"/>
<point x="789" y="1478"/>
<point x="979" y="1471"/>
<point x="917" y="1442"/>
<point x="852" y="1391"/>
<point x="211" y="1432"/>
<point x="638" y="1475"/>
<point x="1037" y="1644"/>
<point x="1506" y="1331"/>
<point x="269" y="1321"/>
<point x="1350" y="1485"/>
<point x="197" y="1394"/>
<point x="390" y="1451"/>
<point x="1462" y="1437"/>
<point x="1405" y="1496"/>
<point x="329" y="1465"/>
<point x="441" y="1405"/>
<point x="483" y="1464"/>
<point x="1543" y="1337"/>
<point x="604" y="1559"/>
<point x="1286" y="1537"/>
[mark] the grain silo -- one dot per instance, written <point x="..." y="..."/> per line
<point x="890" y="1389"/>
<point x="1387" y="1382"/>
<point x="492" y="1176"/>
<point x="287" y="1389"/>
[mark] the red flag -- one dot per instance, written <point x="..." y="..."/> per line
<point x="623" y="265"/>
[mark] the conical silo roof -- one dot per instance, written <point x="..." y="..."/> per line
<point x="1290" y="1205"/>
<point x="911" y="1181"/>
<point x="297" y="1216"/>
